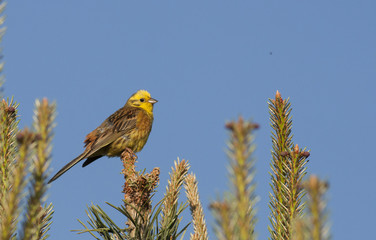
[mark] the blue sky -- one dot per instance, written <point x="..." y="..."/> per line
<point x="206" y="62"/>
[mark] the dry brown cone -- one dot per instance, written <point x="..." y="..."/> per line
<point x="137" y="190"/>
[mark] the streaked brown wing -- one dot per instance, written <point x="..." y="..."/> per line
<point x="118" y="124"/>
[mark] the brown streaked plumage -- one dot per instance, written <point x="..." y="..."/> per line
<point x="127" y="128"/>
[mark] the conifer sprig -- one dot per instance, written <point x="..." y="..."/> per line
<point x="314" y="226"/>
<point x="236" y="214"/>
<point x="11" y="199"/>
<point x="138" y="191"/>
<point x="8" y="144"/>
<point x="198" y="219"/>
<point x="170" y="220"/>
<point x="316" y="189"/>
<point x="44" y="117"/>
<point x="296" y="171"/>
<point x="45" y="221"/>
<point x="9" y="194"/>
<point x="142" y="220"/>
<point x="288" y="169"/>
<point x="224" y="224"/>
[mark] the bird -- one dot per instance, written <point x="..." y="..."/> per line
<point x="126" y="129"/>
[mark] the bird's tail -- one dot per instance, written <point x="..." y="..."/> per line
<point x="67" y="167"/>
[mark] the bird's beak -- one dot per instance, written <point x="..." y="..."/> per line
<point x="152" y="100"/>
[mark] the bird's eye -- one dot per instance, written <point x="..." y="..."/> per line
<point x="142" y="100"/>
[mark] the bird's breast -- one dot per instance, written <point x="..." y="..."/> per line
<point x="135" y="139"/>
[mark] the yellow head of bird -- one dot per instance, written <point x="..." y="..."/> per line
<point x="142" y="99"/>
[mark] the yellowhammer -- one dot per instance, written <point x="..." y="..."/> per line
<point x="127" y="129"/>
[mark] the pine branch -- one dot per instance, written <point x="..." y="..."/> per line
<point x="8" y="166"/>
<point x="138" y="190"/>
<point x="8" y="149"/>
<point x="236" y="214"/>
<point x="11" y="200"/>
<point x="169" y="222"/>
<point x="314" y="226"/>
<point x="45" y="221"/>
<point x="142" y="221"/>
<point x="99" y="222"/>
<point x="198" y="219"/>
<point x="224" y="224"/>
<point x="288" y="169"/>
<point x="44" y="117"/>
<point x="296" y="171"/>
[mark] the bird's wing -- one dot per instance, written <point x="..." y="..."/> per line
<point x="118" y="124"/>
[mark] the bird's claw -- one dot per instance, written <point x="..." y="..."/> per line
<point x="130" y="154"/>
